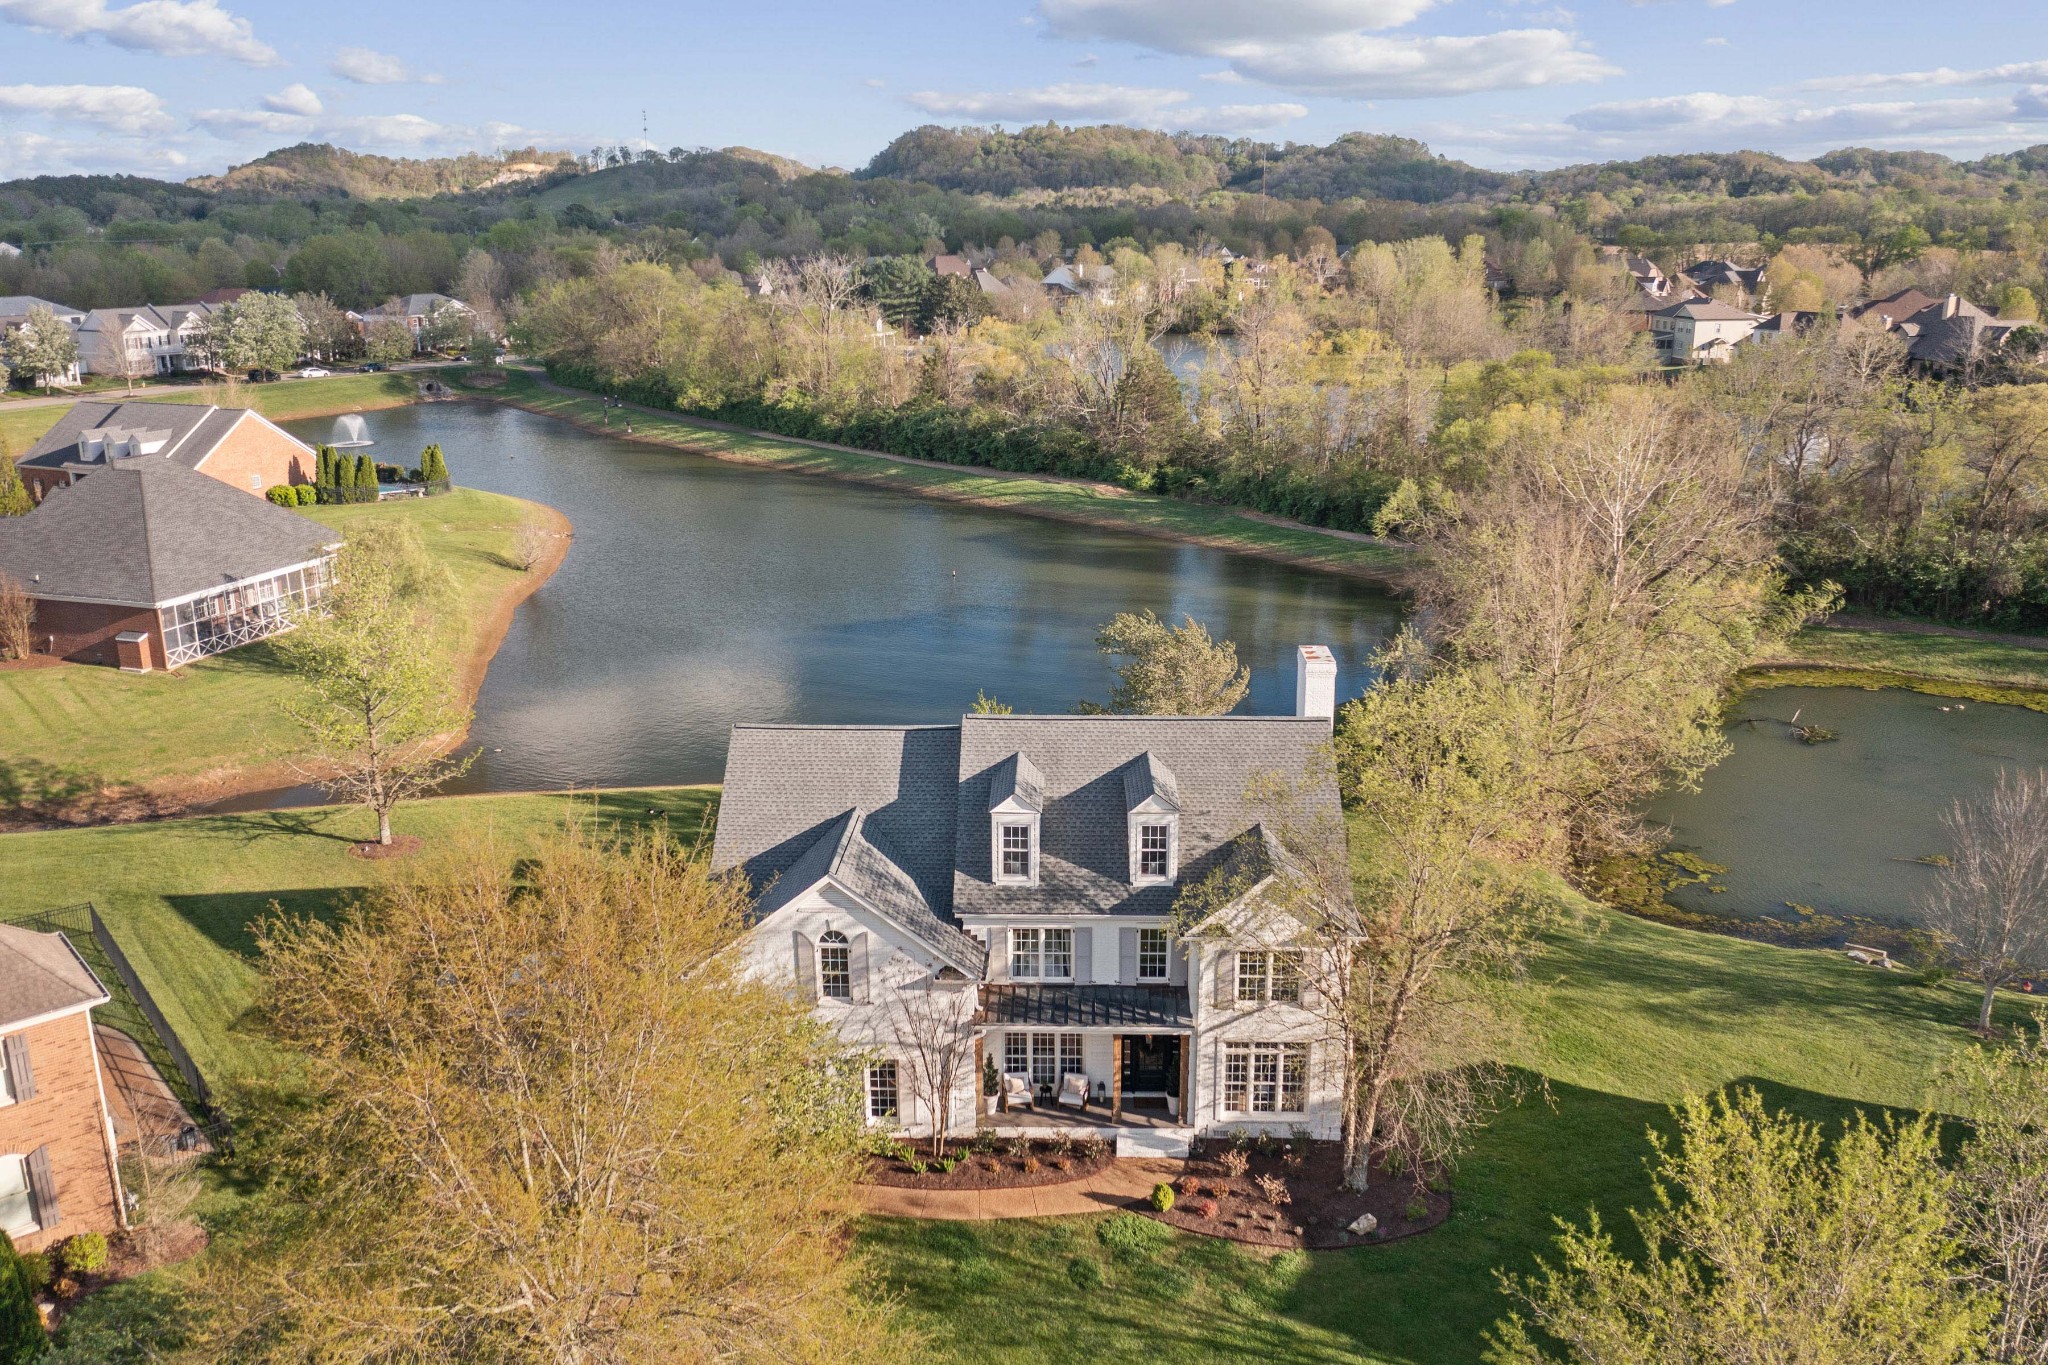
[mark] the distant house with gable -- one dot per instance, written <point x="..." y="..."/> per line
<point x="239" y="447"/>
<point x="15" y="310"/>
<point x="1700" y="331"/>
<point x="419" y="312"/>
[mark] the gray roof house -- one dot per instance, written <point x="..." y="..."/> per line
<point x="150" y="564"/>
<point x="1031" y="865"/>
<point x="238" y="446"/>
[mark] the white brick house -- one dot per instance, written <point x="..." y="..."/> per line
<point x="1012" y="880"/>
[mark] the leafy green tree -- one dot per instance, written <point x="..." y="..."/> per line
<point x="21" y="1327"/>
<point x="374" y="705"/>
<point x="366" y="473"/>
<point x="1884" y="247"/>
<point x="2016" y="303"/>
<point x="433" y="465"/>
<point x="1152" y="420"/>
<point x="14" y="498"/>
<point x="1761" y="1246"/>
<point x="1173" y="670"/>
<point x="950" y="300"/>
<point x="897" y="285"/>
<point x="2002" y="1185"/>
<point x="41" y="350"/>
<point x="389" y="342"/>
<point x="542" y="1113"/>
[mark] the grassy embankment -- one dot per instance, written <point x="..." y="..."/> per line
<point x="71" y="731"/>
<point x="22" y="424"/>
<point x="1064" y="500"/>
<point x="1974" y="667"/>
<point x="1619" y="1018"/>
<point x="181" y="895"/>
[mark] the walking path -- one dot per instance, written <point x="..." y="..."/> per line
<point x="1894" y="626"/>
<point x="1120" y="1185"/>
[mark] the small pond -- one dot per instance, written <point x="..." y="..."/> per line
<point x="698" y="594"/>
<point x="1837" y="826"/>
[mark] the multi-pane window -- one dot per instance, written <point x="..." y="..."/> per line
<point x="835" y="966"/>
<point x="17" y="1206"/>
<point x="1017" y="851"/>
<point x="246" y="612"/>
<point x="1151" y="955"/>
<point x="1044" y="1057"/>
<point x="882" y="1090"/>
<point x="1268" y="976"/>
<point x="1153" y="843"/>
<point x="1265" y="1078"/>
<point x="1041" y="954"/>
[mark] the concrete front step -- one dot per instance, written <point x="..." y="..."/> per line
<point x="1153" y="1142"/>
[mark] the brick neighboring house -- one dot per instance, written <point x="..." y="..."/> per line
<point x="59" y="1173"/>
<point x="148" y="564"/>
<point x="238" y="446"/>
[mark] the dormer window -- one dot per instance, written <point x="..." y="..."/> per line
<point x="835" y="966"/>
<point x="1152" y="808"/>
<point x="1016" y="796"/>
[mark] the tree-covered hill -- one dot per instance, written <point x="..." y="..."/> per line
<point x="318" y="167"/>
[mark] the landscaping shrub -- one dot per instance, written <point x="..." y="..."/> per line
<point x="1130" y="1237"/>
<point x="1032" y="1165"/>
<point x="137" y="1322"/>
<point x="1162" y="1196"/>
<point x="1416" y="1209"/>
<point x="41" y="1274"/>
<point x="1203" y="1208"/>
<point x="305" y="495"/>
<point x="282" y="495"/>
<point x="85" y="1254"/>
<point x="1235" y="1162"/>
<point x="1274" y="1189"/>
<point x="21" y="1327"/>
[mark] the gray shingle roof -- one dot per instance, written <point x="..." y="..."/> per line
<point x="1016" y="780"/>
<point x="41" y="974"/>
<point x="21" y="305"/>
<point x="146" y="531"/>
<point x="1706" y="310"/>
<point x="1084" y="858"/>
<point x="1146" y="777"/>
<point x="194" y="430"/>
<point x="1086" y="1006"/>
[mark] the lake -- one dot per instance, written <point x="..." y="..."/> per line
<point x="1837" y="825"/>
<point x="698" y="594"/>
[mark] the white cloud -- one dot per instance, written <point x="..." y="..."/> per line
<point x="367" y="67"/>
<point x="23" y="154"/>
<point x="2010" y="74"/>
<point x="169" y="28"/>
<point x="1327" y="47"/>
<point x="296" y="98"/>
<point x="407" y="130"/>
<point x="120" y="108"/>
<point x="231" y="122"/>
<point x="1146" y="106"/>
<point x="1202" y="26"/>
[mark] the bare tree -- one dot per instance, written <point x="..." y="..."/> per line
<point x="2002" y="1186"/>
<point x="531" y="544"/>
<point x="1989" y="906"/>
<point x="17" y="620"/>
<point x="934" y="1027"/>
<point x="115" y="353"/>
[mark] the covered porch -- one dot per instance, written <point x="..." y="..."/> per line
<point x="1079" y="1058"/>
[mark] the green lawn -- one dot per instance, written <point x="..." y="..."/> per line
<point x="1622" y="1017"/>
<point x="81" y="728"/>
<point x="22" y="424"/>
<point x="1976" y="667"/>
<point x="1094" y="504"/>
<point x="180" y="895"/>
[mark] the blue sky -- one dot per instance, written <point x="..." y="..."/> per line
<point x="186" y="87"/>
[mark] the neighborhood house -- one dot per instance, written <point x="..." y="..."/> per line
<point x="1008" y="885"/>
<point x="239" y="447"/>
<point x="59" y="1174"/>
<point x="419" y="313"/>
<point x="150" y="564"/>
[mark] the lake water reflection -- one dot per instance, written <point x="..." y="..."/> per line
<point x="698" y="594"/>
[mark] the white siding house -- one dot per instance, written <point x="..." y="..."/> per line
<point x="1004" y="892"/>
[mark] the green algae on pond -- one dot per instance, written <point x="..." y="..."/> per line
<point x="1841" y="827"/>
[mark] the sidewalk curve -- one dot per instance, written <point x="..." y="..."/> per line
<point x="1121" y="1184"/>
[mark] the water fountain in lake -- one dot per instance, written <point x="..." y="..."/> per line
<point x="350" y="432"/>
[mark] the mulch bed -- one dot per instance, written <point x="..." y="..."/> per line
<point x="1010" y="1164"/>
<point x="400" y="845"/>
<point x="124" y="1262"/>
<point x="1319" y="1209"/>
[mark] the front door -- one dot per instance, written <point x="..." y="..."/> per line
<point x="1151" y="1064"/>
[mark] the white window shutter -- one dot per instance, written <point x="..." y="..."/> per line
<point x="21" y="1077"/>
<point x="1225" y="994"/>
<point x="1176" y="962"/>
<point x="857" y="968"/>
<point x="806" y="967"/>
<point x="1126" y="956"/>
<point x="998" y="955"/>
<point x="1084" y="956"/>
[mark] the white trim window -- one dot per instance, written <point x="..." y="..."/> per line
<point x="1041" y="954"/>
<point x="1017" y="851"/>
<point x="17" y="1205"/>
<point x="835" y="966"/>
<point x="883" y="1093"/>
<point x="1155" y="847"/>
<point x="1044" y="1057"/>
<point x="1265" y="977"/>
<point x="1265" y="1078"/>
<point x="1152" y="958"/>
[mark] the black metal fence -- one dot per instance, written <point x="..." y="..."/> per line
<point x="131" y="1008"/>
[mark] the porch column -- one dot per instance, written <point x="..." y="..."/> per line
<point x="980" y="1100"/>
<point x="1187" y="1075"/>
<point x="1116" y="1077"/>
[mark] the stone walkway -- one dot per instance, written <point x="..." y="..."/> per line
<point x="1123" y="1183"/>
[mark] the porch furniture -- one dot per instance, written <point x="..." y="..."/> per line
<point x="1073" y="1091"/>
<point x="1016" y="1091"/>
